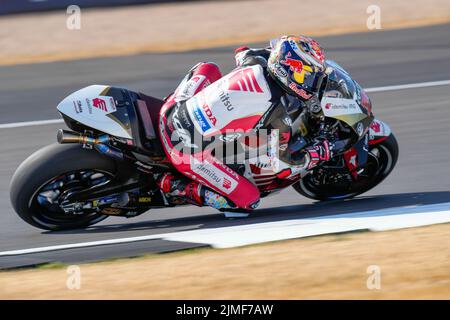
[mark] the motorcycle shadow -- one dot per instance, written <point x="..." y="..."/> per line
<point x="278" y="213"/>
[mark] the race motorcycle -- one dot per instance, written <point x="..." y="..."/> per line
<point x="108" y="162"/>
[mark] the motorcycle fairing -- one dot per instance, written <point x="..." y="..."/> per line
<point x="357" y="156"/>
<point x="345" y="100"/>
<point x="378" y="132"/>
<point x="235" y="102"/>
<point x="96" y="107"/>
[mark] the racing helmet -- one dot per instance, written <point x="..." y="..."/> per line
<point x="297" y="64"/>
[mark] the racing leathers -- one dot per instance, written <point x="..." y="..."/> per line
<point x="295" y="152"/>
<point x="208" y="179"/>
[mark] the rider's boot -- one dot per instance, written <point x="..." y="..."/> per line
<point x="192" y="191"/>
<point x="183" y="188"/>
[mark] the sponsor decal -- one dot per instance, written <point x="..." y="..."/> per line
<point x="225" y="98"/>
<point x="214" y="176"/>
<point x="192" y="85"/>
<point x="207" y="171"/>
<point x="279" y="72"/>
<point x="77" y="105"/>
<point x="182" y="133"/>
<point x="293" y="64"/>
<point x="181" y="118"/>
<point x="297" y="67"/>
<point x="360" y="129"/>
<point x="226" y="183"/>
<point x="99" y="104"/>
<point x="262" y="165"/>
<point x="375" y="126"/>
<point x="145" y="199"/>
<point x="378" y="129"/>
<point x="209" y="114"/>
<point x="89" y="105"/>
<point x="184" y="117"/>
<point x="244" y="80"/>
<point x="302" y="93"/>
<point x="201" y="120"/>
<point x="105" y="104"/>
<point x="350" y="106"/>
<point x="197" y="78"/>
<point x="287" y="121"/>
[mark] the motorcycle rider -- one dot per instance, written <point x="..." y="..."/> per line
<point x="295" y="71"/>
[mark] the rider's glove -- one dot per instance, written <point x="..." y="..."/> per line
<point x="319" y="152"/>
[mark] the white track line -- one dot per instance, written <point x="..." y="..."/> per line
<point x="409" y="86"/>
<point x="379" y="220"/>
<point x="226" y="237"/>
<point x="30" y="123"/>
<point x="80" y="245"/>
<point x="375" y="89"/>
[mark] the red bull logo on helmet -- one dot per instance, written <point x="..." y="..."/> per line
<point x="294" y="64"/>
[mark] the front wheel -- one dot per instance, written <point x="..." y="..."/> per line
<point x="382" y="160"/>
<point x="42" y="181"/>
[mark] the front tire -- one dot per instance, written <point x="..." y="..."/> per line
<point x="388" y="154"/>
<point x="44" y="166"/>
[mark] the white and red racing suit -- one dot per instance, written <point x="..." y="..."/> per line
<point x="206" y="179"/>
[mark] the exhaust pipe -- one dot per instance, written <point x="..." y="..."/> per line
<point x="64" y="136"/>
<point x="100" y="144"/>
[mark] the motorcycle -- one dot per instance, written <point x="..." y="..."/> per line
<point x="108" y="162"/>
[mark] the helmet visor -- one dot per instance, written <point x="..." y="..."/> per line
<point x="309" y="81"/>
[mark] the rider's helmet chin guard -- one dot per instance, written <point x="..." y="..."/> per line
<point x="297" y="64"/>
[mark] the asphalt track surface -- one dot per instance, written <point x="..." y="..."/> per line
<point x="420" y="119"/>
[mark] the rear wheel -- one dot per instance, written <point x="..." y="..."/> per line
<point x="43" y="181"/>
<point x="382" y="160"/>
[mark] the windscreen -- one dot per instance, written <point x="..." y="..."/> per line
<point x="340" y="84"/>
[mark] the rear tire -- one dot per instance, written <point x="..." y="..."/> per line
<point x="43" y="166"/>
<point x="388" y="154"/>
